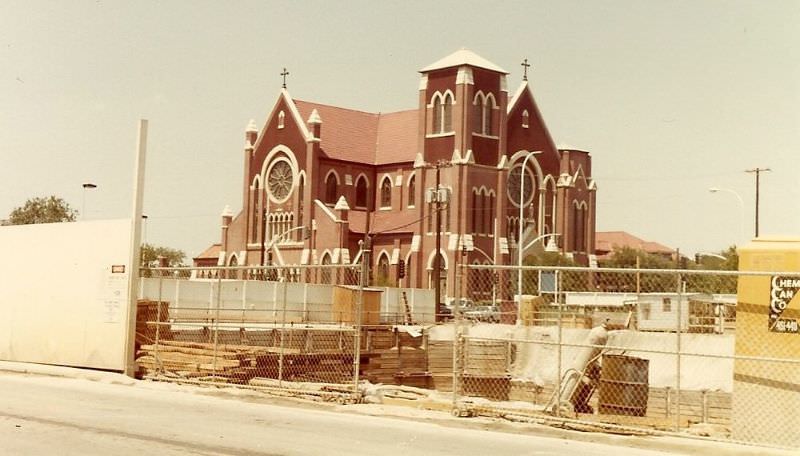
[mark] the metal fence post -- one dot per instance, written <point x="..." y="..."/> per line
<point x="357" y="335"/>
<point x="679" y="314"/>
<point x="216" y="323"/>
<point x="558" y="355"/>
<point x="157" y="356"/>
<point x="458" y="335"/>
<point x="283" y="331"/>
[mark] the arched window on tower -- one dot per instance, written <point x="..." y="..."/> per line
<point x="361" y="192"/>
<point x="488" y="115"/>
<point x="281" y="119"/>
<point x="490" y="214"/>
<point x="447" y="115"/>
<point x="301" y="190"/>
<point x="386" y="192"/>
<point x="442" y="113"/>
<point x="475" y="210"/>
<point x="412" y="190"/>
<point x="331" y="188"/>
<point x="256" y="212"/>
<point x="477" y="123"/>
<point x="525" y="119"/>
<point x="437" y="114"/>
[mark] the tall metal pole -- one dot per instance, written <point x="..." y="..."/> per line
<point x="520" y="242"/>
<point x="757" y="172"/>
<point x="135" y="247"/>
<point x="437" y="293"/>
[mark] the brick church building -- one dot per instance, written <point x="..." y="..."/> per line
<point x="318" y="177"/>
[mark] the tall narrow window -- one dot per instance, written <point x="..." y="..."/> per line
<point x="447" y="211"/>
<point x="361" y="192"/>
<point x="477" y="124"/>
<point x="525" y="118"/>
<point x="383" y="270"/>
<point x="438" y="115"/>
<point x="474" y="224"/>
<point x="331" y="188"/>
<point x="256" y="212"/>
<point x="281" y="118"/>
<point x="412" y="190"/>
<point x="301" y="193"/>
<point x="386" y="192"/>
<point x="490" y="215"/>
<point x="488" y="121"/>
<point x="448" y="114"/>
<point x="325" y="272"/>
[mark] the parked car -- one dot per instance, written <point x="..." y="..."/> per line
<point x="446" y="312"/>
<point x="489" y="314"/>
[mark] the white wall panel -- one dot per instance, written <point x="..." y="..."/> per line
<point x="60" y="302"/>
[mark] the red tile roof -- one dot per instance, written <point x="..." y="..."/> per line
<point x="606" y="241"/>
<point x="364" y="137"/>
<point x="397" y="137"/>
<point x="385" y="221"/>
<point x="211" y="252"/>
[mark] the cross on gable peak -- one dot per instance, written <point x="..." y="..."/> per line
<point x="284" y="74"/>
<point x="525" y="66"/>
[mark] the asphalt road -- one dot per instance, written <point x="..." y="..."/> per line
<point x="61" y="416"/>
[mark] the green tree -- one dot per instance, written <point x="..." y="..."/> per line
<point x="50" y="209"/>
<point x="625" y="257"/>
<point x="151" y="254"/>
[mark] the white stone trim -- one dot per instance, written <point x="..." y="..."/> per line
<point x="464" y="75"/>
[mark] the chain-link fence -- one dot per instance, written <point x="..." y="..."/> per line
<point x="647" y="350"/>
<point x="714" y="354"/>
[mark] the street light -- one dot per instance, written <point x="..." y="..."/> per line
<point x="520" y="241"/>
<point x="741" y="206"/>
<point x="86" y="186"/>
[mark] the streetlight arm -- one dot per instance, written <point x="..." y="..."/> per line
<point x="542" y="237"/>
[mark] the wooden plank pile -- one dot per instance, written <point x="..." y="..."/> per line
<point x="486" y="369"/>
<point x="440" y="364"/>
<point x="148" y="315"/>
<point x="698" y="406"/>
<point x="398" y="365"/>
<point x="307" y="356"/>
<point x="194" y="359"/>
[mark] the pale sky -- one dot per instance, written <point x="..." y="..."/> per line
<point x="670" y="98"/>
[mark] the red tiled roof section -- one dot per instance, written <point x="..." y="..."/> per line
<point x="397" y="137"/>
<point x="346" y="134"/>
<point x="364" y="137"/>
<point x="384" y="221"/>
<point x="211" y="252"/>
<point x="605" y="241"/>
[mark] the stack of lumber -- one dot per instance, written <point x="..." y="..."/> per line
<point x="148" y="315"/>
<point x="486" y="369"/>
<point x="192" y="359"/>
<point x="398" y="366"/>
<point x="698" y="406"/>
<point x="307" y="356"/>
<point x="440" y="364"/>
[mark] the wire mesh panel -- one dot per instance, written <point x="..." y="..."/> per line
<point x="706" y="353"/>
<point x="272" y="332"/>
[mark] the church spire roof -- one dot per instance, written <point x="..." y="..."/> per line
<point x="463" y="56"/>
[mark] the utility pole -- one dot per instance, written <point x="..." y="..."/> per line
<point x="437" y="260"/>
<point x="437" y="198"/>
<point x="757" y="172"/>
